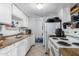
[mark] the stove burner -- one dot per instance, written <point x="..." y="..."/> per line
<point x="76" y="44"/>
<point x="63" y="39"/>
<point x="52" y="35"/>
<point x="55" y="38"/>
<point x="63" y="43"/>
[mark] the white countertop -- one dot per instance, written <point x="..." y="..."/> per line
<point x="62" y="46"/>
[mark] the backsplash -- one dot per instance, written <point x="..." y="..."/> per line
<point x="6" y="32"/>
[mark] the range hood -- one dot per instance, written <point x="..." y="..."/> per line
<point x="55" y="19"/>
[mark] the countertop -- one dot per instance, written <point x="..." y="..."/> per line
<point x="11" y="40"/>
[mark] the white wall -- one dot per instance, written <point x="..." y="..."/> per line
<point x="5" y="13"/>
<point x="36" y="25"/>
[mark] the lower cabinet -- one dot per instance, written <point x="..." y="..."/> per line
<point x="9" y="51"/>
<point x="24" y="45"/>
<point x="32" y="38"/>
<point x="12" y="52"/>
<point x="3" y="54"/>
<point x="20" y="48"/>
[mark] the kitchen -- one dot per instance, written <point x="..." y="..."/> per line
<point x="39" y="29"/>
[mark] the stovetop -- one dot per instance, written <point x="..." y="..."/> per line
<point x="64" y="43"/>
<point x="63" y="38"/>
<point x="55" y="38"/>
<point x="60" y="38"/>
<point x="76" y="44"/>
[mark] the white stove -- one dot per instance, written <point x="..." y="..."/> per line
<point x="61" y="42"/>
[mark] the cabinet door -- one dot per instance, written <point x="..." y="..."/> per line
<point x="5" y="13"/>
<point x="27" y="44"/>
<point x="5" y="54"/>
<point x="32" y="39"/>
<point x="21" y="48"/>
<point x="18" y="13"/>
<point x="12" y="52"/>
<point x="8" y="51"/>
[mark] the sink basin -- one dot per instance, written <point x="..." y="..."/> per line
<point x="19" y="36"/>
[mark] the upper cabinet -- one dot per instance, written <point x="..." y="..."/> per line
<point x="74" y="13"/>
<point x="64" y="14"/>
<point x="5" y="13"/>
<point x="10" y="13"/>
<point x="19" y="17"/>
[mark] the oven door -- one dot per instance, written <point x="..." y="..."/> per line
<point x="54" y="51"/>
<point x="51" y="50"/>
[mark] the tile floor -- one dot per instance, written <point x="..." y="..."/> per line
<point x="37" y="50"/>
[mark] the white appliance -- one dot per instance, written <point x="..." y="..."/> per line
<point x="54" y="50"/>
<point x="49" y="29"/>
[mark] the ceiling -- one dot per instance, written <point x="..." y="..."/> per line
<point x="48" y="9"/>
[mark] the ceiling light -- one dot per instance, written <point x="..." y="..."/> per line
<point x="39" y="6"/>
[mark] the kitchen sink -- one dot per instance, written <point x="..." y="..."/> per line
<point x="19" y="36"/>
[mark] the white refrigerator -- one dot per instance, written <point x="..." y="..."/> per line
<point x="49" y="29"/>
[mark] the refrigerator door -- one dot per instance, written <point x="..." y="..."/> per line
<point x="49" y="29"/>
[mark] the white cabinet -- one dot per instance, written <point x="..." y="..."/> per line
<point x="12" y="52"/>
<point x="5" y="13"/>
<point x="8" y="51"/>
<point x="27" y="44"/>
<point x="18" y="13"/>
<point x="64" y="14"/>
<point x="32" y="39"/>
<point x="21" y="48"/>
<point x="4" y="54"/>
<point x="17" y="49"/>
